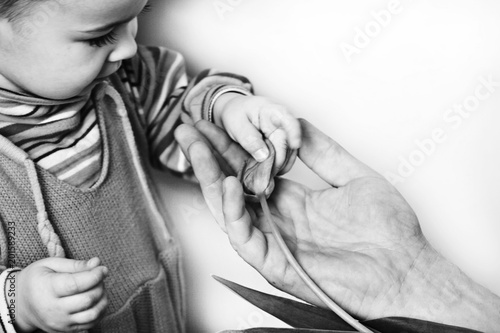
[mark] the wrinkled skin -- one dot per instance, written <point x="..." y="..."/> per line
<point x="358" y="239"/>
<point x="370" y="247"/>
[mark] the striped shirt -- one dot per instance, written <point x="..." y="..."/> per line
<point x="64" y="137"/>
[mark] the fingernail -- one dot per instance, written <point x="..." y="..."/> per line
<point x="261" y="154"/>
<point x="93" y="262"/>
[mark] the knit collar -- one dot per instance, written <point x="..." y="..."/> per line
<point x="30" y="109"/>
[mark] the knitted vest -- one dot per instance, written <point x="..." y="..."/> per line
<point x="116" y="220"/>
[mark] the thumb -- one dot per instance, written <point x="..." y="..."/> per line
<point x="63" y="265"/>
<point x="251" y="140"/>
<point x="328" y="159"/>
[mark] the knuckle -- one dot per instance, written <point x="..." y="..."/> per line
<point x="257" y="100"/>
<point x="77" y="265"/>
<point x="56" y="325"/>
<point x="251" y="142"/>
<point x="278" y="135"/>
<point x="281" y="109"/>
<point x="88" y="301"/>
<point x="50" y="323"/>
<point x="70" y="285"/>
<point x="275" y="108"/>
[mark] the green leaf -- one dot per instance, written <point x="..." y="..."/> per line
<point x="410" y="325"/>
<point x="290" y="312"/>
<point x="284" y="330"/>
<point x="309" y="318"/>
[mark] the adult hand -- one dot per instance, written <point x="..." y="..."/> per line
<point x="358" y="239"/>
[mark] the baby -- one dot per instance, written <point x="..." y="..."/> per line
<point x="82" y="110"/>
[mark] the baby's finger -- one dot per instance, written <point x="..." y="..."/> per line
<point x="278" y="139"/>
<point x="67" y="284"/>
<point x="84" y="301"/>
<point x="231" y="152"/>
<point x="83" y="328"/>
<point x="291" y="125"/>
<point x="291" y="156"/>
<point x="186" y="135"/>
<point x="92" y="315"/>
<point x="63" y="265"/>
<point x="251" y="140"/>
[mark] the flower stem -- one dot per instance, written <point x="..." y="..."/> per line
<point x="303" y="275"/>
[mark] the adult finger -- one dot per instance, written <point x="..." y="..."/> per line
<point x="328" y="159"/>
<point x="83" y="301"/>
<point x="231" y="152"/>
<point x="248" y="241"/>
<point x="186" y="135"/>
<point x="207" y="171"/>
<point x="66" y="284"/>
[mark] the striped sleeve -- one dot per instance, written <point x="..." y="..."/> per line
<point x="165" y="98"/>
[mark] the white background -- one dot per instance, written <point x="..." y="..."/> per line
<point x="397" y="89"/>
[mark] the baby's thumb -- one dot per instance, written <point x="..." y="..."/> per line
<point x="63" y="265"/>
<point x="251" y="140"/>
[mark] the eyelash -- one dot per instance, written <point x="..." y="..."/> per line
<point x="147" y="8"/>
<point x="111" y="37"/>
<point x="107" y="39"/>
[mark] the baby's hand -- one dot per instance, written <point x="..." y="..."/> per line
<point x="246" y="118"/>
<point x="56" y="294"/>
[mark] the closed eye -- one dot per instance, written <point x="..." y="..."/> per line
<point x="111" y="37"/>
<point x="147" y="8"/>
<point x="107" y="39"/>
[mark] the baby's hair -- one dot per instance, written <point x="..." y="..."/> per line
<point x="13" y="10"/>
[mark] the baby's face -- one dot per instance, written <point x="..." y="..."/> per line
<point x="77" y="44"/>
